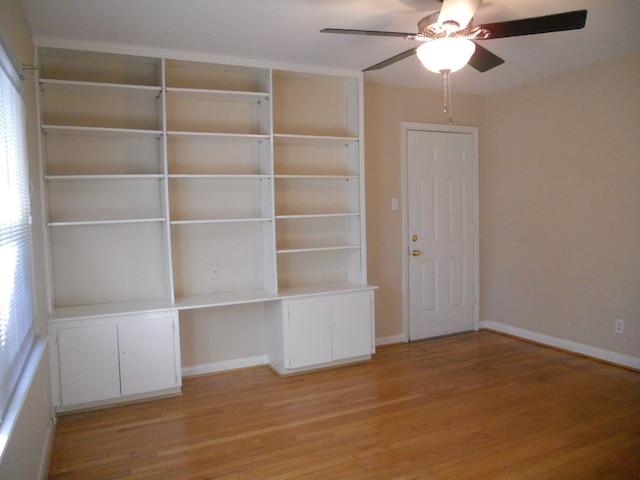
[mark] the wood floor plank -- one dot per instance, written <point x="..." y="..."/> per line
<point x="473" y="406"/>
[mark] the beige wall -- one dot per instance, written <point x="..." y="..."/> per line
<point x="560" y="206"/>
<point x="559" y="202"/>
<point x="26" y="452"/>
<point x="385" y="107"/>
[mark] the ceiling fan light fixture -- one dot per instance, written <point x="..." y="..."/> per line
<point x="446" y="54"/>
<point x="458" y="11"/>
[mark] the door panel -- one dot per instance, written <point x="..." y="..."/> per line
<point x="89" y="366"/>
<point x="308" y="333"/>
<point x="441" y="232"/>
<point x="147" y="355"/>
<point x="351" y="326"/>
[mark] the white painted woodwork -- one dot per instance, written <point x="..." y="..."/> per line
<point x="174" y="184"/>
<point x="318" y="172"/>
<point x="351" y="326"/>
<point x="320" y="331"/>
<point x="172" y="179"/>
<point x="89" y="363"/>
<point x="148" y="355"/>
<point x="114" y="358"/>
<point x="308" y="330"/>
<point x="441" y="231"/>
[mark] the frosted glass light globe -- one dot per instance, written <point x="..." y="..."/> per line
<point x="446" y="54"/>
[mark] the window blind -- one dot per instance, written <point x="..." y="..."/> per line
<point x="16" y="314"/>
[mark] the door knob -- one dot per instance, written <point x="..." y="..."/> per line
<point x="416" y="253"/>
<point x="414" y="238"/>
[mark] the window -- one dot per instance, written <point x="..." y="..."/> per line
<point x="16" y="315"/>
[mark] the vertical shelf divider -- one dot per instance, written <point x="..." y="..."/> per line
<point x="165" y="163"/>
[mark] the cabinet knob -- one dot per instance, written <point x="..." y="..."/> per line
<point x="416" y="253"/>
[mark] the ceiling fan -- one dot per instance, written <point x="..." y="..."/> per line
<point x="449" y="38"/>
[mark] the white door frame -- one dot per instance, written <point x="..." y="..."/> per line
<point x="432" y="127"/>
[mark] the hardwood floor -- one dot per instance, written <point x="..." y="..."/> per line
<point x="478" y="405"/>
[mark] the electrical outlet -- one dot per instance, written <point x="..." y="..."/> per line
<point x="619" y="326"/>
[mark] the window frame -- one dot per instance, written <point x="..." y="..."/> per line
<point x="17" y="341"/>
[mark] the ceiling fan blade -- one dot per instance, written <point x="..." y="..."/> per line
<point x="483" y="60"/>
<point x="458" y="11"/>
<point x="392" y="60"/>
<point x="378" y="33"/>
<point x="530" y="26"/>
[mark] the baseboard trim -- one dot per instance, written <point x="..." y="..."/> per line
<point x="608" y="356"/>
<point x="225" y="365"/>
<point x="390" y="340"/>
<point x="43" y="471"/>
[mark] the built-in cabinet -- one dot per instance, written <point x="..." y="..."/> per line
<point x="308" y="332"/>
<point x="174" y="184"/>
<point x="114" y="358"/>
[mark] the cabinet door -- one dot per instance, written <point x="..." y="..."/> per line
<point x="147" y="355"/>
<point x="308" y="338"/>
<point x="351" y="326"/>
<point x="89" y="369"/>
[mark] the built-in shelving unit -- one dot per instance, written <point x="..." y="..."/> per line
<point x="103" y="166"/>
<point x="318" y="177"/>
<point x="220" y="179"/>
<point x="175" y="185"/>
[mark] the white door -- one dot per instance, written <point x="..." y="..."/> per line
<point x="441" y="229"/>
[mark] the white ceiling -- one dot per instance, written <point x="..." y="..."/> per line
<point x="286" y="32"/>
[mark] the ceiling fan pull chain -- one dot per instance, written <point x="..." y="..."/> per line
<point x="446" y="75"/>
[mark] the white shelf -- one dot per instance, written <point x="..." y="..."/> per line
<point x="218" y="136"/>
<point x="94" y="88"/>
<point x="219" y="220"/>
<point x="217" y="95"/>
<point x="323" y="289"/>
<point x="215" y="176"/>
<point x="201" y="301"/>
<point x="99" y="131"/>
<point x="105" y="222"/>
<point x="319" y="177"/>
<point x="317" y="249"/>
<point x="137" y="176"/>
<point x="224" y="299"/>
<point x="321" y="140"/>
<point x="109" y="309"/>
<point x="316" y="215"/>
